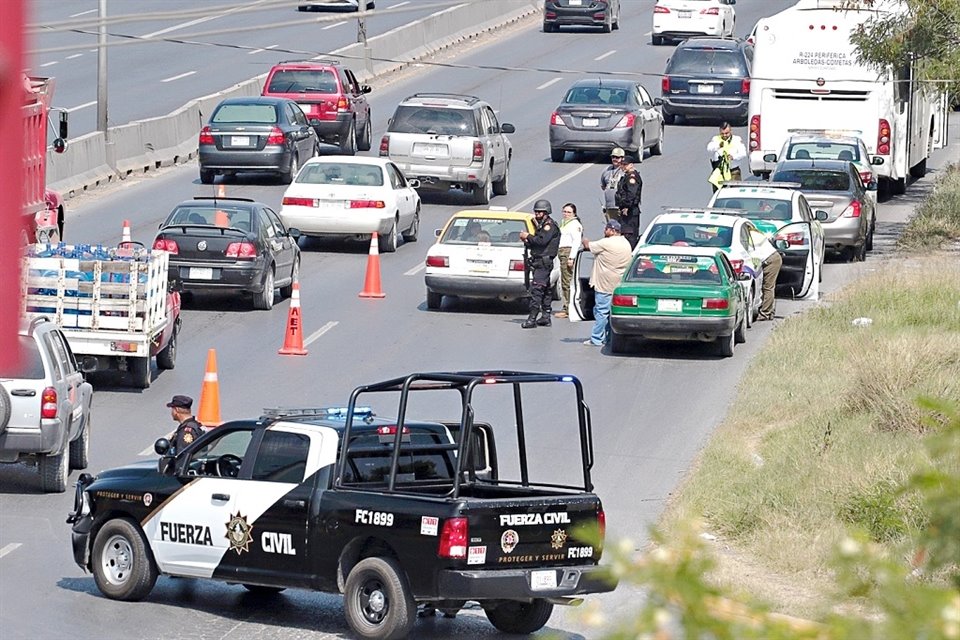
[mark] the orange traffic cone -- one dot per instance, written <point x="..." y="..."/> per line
<point x="221" y="190"/>
<point x="220" y="217"/>
<point x="126" y="232"/>
<point x="371" y="284"/>
<point x="293" y="341"/>
<point x="209" y="413"/>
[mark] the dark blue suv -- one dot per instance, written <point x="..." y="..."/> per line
<point x="707" y="78"/>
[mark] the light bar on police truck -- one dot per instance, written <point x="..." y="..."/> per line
<point x="330" y="413"/>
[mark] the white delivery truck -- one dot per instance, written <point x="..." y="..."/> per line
<point x="114" y="305"/>
<point x="806" y="75"/>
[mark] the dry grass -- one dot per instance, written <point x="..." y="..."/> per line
<point x="937" y="221"/>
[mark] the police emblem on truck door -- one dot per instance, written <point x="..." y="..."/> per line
<point x="239" y="533"/>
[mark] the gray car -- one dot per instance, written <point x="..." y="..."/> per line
<point x="834" y="186"/>
<point x="598" y="115"/>
<point x="45" y="406"/>
<point x="256" y="134"/>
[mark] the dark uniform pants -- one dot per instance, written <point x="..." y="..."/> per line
<point x="630" y="227"/>
<point x="541" y="298"/>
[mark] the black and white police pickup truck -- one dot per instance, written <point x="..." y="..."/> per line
<point x="408" y="513"/>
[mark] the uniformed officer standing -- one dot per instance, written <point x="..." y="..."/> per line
<point x="190" y="428"/>
<point x="628" y="201"/>
<point x="543" y="246"/>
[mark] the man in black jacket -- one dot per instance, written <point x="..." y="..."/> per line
<point x="543" y="246"/>
<point x="628" y="201"/>
<point x="189" y="428"/>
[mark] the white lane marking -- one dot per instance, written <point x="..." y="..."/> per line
<point x="548" y="83"/>
<point x="400" y="4"/>
<point x="49" y="64"/>
<point x="417" y="269"/>
<point x="82" y="106"/>
<point x="76" y="55"/>
<point x="520" y="205"/>
<point x="83" y="13"/>
<point x="605" y="55"/>
<point x="184" y="25"/>
<point x="182" y="75"/>
<point x="331" y="26"/>
<point x="648" y="33"/>
<point x="319" y="332"/>
<point x="267" y="48"/>
<point x="10" y="548"/>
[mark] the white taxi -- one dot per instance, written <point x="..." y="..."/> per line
<point x="479" y="254"/>
<point x="353" y="197"/>
<point x="681" y="19"/>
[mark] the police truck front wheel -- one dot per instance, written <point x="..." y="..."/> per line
<point x="122" y="565"/>
<point x="377" y="601"/>
<point x="520" y="617"/>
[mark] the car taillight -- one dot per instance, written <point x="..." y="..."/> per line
<point x="602" y="524"/>
<point x="478" y="151"/>
<point x="853" y="210"/>
<point x="556" y="120"/>
<point x="385" y="146"/>
<point x="241" y="250"/>
<point x="343" y="104"/>
<point x="715" y="303"/>
<point x="440" y="261"/>
<point x="659" y="9"/>
<point x="170" y="246"/>
<point x="48" y="403"/>
<point x="453" y="539"/>
<point x="665" y="84"/>
<point x="626" y="121"/>
<point x="620" y="300"/>
<point x="205" y="136"/>
<point x="367" y="204"/>
<point x="755" y="133"/>
<point x="792" y="239"/>
<point x="866" y="177"/>
<point x="745" y="86"/>
<point x="298" y="202"/>
<point x="737" y="265"/>
<point x="276" y="136"/>
<point x="516" y="265"/>
<point x="712" y="11"/>
<point x="599" y="15"/>
<point x="883" y="137"/>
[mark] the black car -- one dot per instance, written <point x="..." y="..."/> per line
<point x="707" y="78"/>
<point x="256" y="134"/>
<point x="581" y="13"/>
<point x="230" y="244"/>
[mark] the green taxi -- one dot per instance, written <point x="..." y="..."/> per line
<point x="679" y="293"/>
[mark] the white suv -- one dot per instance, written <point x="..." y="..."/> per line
<point x="449" y="141"/>
<point x="45" y="406"/>
<point x="681" y="19"/>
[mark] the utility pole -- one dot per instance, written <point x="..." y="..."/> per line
<point x="362" y="38"/>
<point x="102" y="70"/>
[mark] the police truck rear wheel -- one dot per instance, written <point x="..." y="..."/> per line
<point x="122" y="565"/>
<point x="520" y="617"/>
<point x="377" y="601"/>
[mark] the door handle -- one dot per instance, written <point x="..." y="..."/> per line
<point x="23" y="393"/>
<point x="295" y="504"/>
<point x="221" y="496"/>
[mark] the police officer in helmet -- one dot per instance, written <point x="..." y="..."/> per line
<point x="189" y="428"/>
<point x="543" y="246"/>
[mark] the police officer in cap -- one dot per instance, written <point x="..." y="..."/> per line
<point x="543" y="246"/>
<point x="628" y="201"/>
<point x="190" y="428"/>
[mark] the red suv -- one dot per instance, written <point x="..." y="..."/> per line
<point x="331" y="98"/>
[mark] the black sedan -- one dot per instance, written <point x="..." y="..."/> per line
<point x="256" y="134"/>
<point x="230" y="244"/>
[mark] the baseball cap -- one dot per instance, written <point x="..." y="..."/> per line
<point x="181" y="402"/>
<point x="617" y="153"/>
<point x="613" y="224"/>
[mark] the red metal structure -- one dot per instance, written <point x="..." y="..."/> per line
<point x="42" y="208"/>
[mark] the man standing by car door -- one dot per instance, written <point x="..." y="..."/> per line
<point x="543" y="245"/>
<point x="771" y="261"/>
<point x="628" y="202"/>
<point x="611" y="257"/>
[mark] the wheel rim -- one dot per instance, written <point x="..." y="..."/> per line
<point x="395" y="234"/>
<point x="117" y="560"/>
<point x="373" y="601"/>
<point x="415" y="227"/>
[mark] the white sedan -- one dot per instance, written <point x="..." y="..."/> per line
<point x="681" y="19"/>
<point x="353" y="197"/>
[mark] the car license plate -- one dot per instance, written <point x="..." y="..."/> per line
<point x="330" y="204"/>
<point x="427" y="149"/>
<point x="670" y="305"/>
<point x="591" y="122"/>
<point x="576" y="3"/>
<point x="306" y="108"/>
<point x="684" y="14"/>
<point x="543" y="580"/>
<point x="239" y="141"/>
<point x="705" y="88"/>
<point x="201" y="273"/>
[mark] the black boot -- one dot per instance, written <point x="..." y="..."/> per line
<point x="529" y="323"/>
<point x="544" y="321"/>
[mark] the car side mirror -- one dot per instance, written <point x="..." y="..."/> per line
<point x="507" y="128"/>
<point x="744" y="276"/>
<point x="314" y="121"/>
<point x="658" y="101"/>
<point x="437" y="232"/>
<point x="88" y="364"/>
<point x="872" y="185"/>
<point x="59" y="145"/>
<point x="770" y="157"/>
<point x="413" y="183"/>
<point x="365" y="88"/>
<point x="294" y="233"/>
<point x="822" y="215"/>
<point x="876" y="160"/>
<point x="781" y="244"/>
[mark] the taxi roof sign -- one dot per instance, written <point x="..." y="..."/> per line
<point x="755" y="184"/>
<point x="711" y="210"/>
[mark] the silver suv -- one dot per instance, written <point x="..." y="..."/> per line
<point x="45" y="406"/>
<point x="449" y="141"/>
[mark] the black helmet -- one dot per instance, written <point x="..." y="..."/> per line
<point x="543" y="205"/>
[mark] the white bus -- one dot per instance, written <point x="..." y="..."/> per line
<point x="806" y="76"/>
